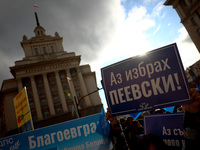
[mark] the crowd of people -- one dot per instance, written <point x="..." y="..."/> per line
<point x="128" y="134"/>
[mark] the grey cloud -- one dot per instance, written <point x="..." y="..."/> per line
<point x="85" y="25"/>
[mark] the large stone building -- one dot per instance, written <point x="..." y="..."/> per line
<point x="189" y="13"/>
<point x="54" y="78"/>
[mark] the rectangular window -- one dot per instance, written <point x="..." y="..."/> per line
<point x="193" y="21"/>
<point x="41" y="91"/>
<point x="55" y="99"/>
<point x="58" y="111"/>
<point x="34" y="117"/>
<point x="44" y="102"/>
<point x="62" y="76"/>
<point x="53" y="88"/>
<point x="39" y="81"/>
<point x="81" y="104"/>
<point x="52" y="49"/>
<point x="31" y="105"/>
<point x="29" y="94"/>
<point x="44" y="50"/>
<point x="78" y="93"/>
<point x="36" y="52"/>
<point x="70" y="108"/>
<point x="75" y="83"/>
<point x="51" y="79"/>
<point x="64" y="86"/>
<point x="46" y="114"/>
<point x="27" y="83"/>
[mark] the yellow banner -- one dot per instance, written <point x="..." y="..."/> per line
<point x="22" y="108"/>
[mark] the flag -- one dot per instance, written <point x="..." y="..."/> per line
<point x="103" y="126"/>
<point x="35" y="5"/>
<point x="169" y="109"/>
<point x="135" y="115"/>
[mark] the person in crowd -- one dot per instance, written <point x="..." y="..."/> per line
<point x="127" y="129"/>
<point x="136" y="130"/>
<point x="151" y="142"/>
<point x="115" y="134"/>
<point x="192" y="122"/>
<point x="123" y="123"/>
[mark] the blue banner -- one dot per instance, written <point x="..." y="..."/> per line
<point x="167" y="126"/>
<point x="145" y="82"/>
<point x="76" y="134"/>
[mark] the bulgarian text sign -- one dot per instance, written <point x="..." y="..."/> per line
<point x="22" y="110"/>
<point x="76" y="134"/>
<point x="167" y="126"/>
<point x="146" y="82"/>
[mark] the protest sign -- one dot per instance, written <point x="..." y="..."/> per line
<point x="22" y="110"/>
<point x="154" y="80"/>
<point x="76" y="134"/>
<point x="167" y="126"/>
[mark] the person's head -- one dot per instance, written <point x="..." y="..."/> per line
<point x="129" y="120"/>
<point x="151" y="142"/>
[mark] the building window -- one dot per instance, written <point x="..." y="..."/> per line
<point x="75" y="83"/>
<point x="26" y="82"/>
<point x="62" y="76"/>
<point x="44" y="102"/>
<point x="38" y="81"/>
<point x="53" y="88"/>
<point x="73" y="72"/>
<point x="34" y="117"/>
<point x="36" y="51"/>
<point x="78" y="93"/>
<point x="70" y="108"/>
<point x="55" y="99"/>
<point x="81" y="104"/>
<point x="64" y="86"/>
<point x="193" y="21"/>
<point x="52" y="49"/>
<point x="31" y="105"/>
<point x="58" y="111"/>
<point x="46" y="114"/>
<point x="51" y="78"/>
<point x="41" y="91"/>
<point x="29" y="94"/>
<point x="44" y="50"/>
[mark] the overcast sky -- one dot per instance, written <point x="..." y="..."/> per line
<point x="101" y="31"/>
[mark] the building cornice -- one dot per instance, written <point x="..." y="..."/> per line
<point x="44" y="66"/>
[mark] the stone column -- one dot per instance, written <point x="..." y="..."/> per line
<point x="48" y="95"/>
<point x="61" y="93"/>
<point x="83" y="88"/>
<point x="36" y="99"/>
<point x="73" y="93"/>
<point x="19" y="83"/>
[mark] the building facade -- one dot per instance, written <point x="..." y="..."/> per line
<point x="189" y="13"/>
<point x="54" y="80"/>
